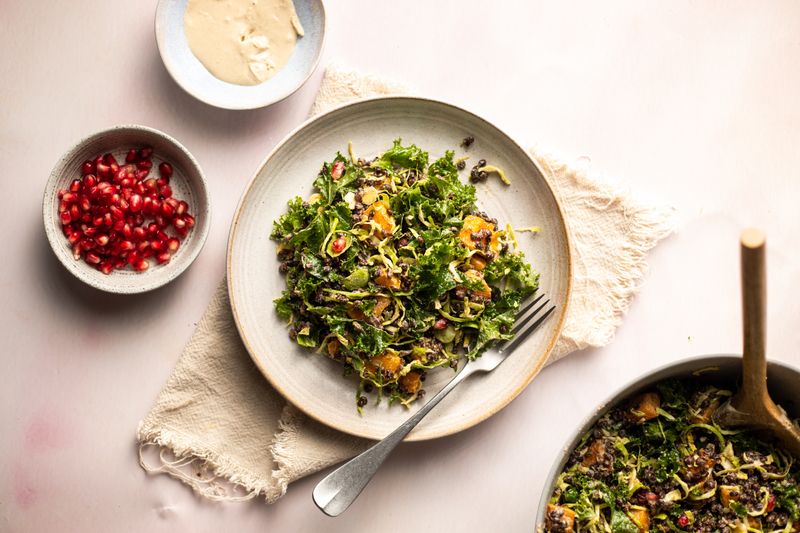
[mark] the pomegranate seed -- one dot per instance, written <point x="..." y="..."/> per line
<point x="182" y="232"/>
<point x="167" y="210"/>
<point x="136" y="203"/>
<point x="126" y="246"/>
<point x="165" y="191"/>
<point x="771" y="503"/>
<point x="101" y="240"/>
<point x="139" y="233"/>
<point x="440" y="324"/>
<point x="123" y="204"/>
<point x="127" y="182"/>
<point x="74" y="237"/>
<point x="173" y="245"/>
<point x="163" y="257"/>
<point x="180" y="224"/>
<point x="132" y="258"/>
<point x="147" y="205"/>
<point x="162" y="236"/>
<point x="143" y="245"/>
<point x="131" y="156"/>
<point x="61" y="193"/>
<point x="683" y="521"/>
<point x="145" y="153"/>
<point x="182" y="208"/>
<point x="98" y="160"/>
<point x="109" y="159"/>
<point x="150" y="184"/>
<point x="106" y="267"/>
<point x="337" y="246"/>
<point x="90" y="232"/>
<point x="138" y="188"/>
<point x="75" y="186"/>
<point x="87" y="167"/>
<point x="165" y="169"/>
<point x="152" y="228"/>
<point x="74" y="212"/>
<point x="76" y="251"/>
<point x="70" y="197"/>
<point x="157" y="245"/>
<point x="162" y="182"/>
<point x="85" y="203"/>
<point x="141" y="265"/>
<point x="93" y="258"/>
<point x="89" y="181"/>
<point x="144" y="164"/>
<point x="337" y="170"/>
<point x="103" y="171"/>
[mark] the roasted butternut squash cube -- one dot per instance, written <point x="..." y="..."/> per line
<point x="333" y="347"/>
<point x="475" y="275"/>
<point x="473" y="224"/>
<point x="559" y="518"/>
<point x="379" y="212"/>
<point x="644" y="407"/>
<point x="411" y="382"/>
<point x="728" y="494"/>
<point x="386" y="362"/>
<point x="387" y="279"/>
<point x="381" y="303"/>
<point x="594" y="453"/>
<point x="477" y="262"/>
<point x="641" y="518"/>
<point x="355" y="313"/>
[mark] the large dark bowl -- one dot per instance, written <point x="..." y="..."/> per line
<point x="721" y="370"/>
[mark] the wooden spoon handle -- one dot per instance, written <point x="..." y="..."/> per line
<point x="754" y="305"/>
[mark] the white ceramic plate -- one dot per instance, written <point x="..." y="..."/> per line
<point x="195" y="79"/>
<point x="315" y="384"/>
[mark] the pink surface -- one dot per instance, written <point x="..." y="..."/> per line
<point x="689" y="104"/>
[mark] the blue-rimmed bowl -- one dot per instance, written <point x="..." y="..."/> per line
<point x="192" y="76"/>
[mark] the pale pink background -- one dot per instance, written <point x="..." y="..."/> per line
<point x="686" y="103"/>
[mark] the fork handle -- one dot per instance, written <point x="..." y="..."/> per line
<point x="334" y="494"/>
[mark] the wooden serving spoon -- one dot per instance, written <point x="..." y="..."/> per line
<point x="752" y="406"/>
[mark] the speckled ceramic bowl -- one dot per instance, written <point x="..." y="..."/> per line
<point x="721" y="370"/>
<point x="187" y="182"/>
<point x="192" y="76"/>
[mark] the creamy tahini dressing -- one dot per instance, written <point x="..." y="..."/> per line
<point x="244" y="42"/>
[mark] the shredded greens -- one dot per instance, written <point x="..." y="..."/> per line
<point x="392" y="270"/>
<point x="659" y="462"/>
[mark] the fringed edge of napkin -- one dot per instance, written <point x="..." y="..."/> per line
<point x="209" y="474"/>
<point x="579" y="189"/>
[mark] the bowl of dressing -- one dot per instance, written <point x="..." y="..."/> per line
<point x="240" y="54"/>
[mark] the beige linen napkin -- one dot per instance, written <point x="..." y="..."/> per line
<point x="218" y="426"/>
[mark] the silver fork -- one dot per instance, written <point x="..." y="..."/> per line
<point x="334" y="494"/>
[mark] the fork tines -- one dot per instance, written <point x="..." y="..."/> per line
<point x="523" y="326"/>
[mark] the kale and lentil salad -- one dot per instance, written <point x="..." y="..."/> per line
<point x="659" y="462"/>
<point x="392" y="270"/>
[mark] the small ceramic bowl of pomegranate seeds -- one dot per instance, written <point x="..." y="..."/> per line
<point x="126" y="209"/>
